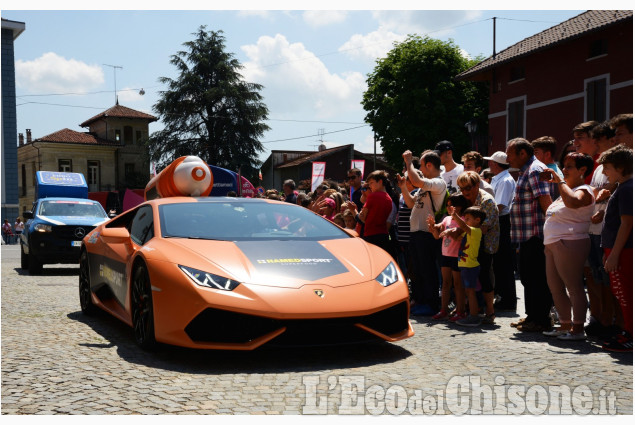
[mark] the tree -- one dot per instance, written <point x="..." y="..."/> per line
<point x="413" y="100"/>
<point x="209" y="110"/>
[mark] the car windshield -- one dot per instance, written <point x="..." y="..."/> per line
<point x="71" y="209"/>
<point x="244" y="221"/>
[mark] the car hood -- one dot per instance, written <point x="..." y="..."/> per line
<point x="63" y="220"/>
<point x="289" y="264"/>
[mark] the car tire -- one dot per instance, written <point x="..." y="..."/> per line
<point x="142" y="309"/>
<point x="85" y="297"/>
<point x="35" y="266"/>
<point x="24" y="259"/>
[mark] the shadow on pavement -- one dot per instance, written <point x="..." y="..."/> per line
<point x="51" y="271"/>
<point x="262" y="360"/>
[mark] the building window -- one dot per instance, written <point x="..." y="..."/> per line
<point x="128" y="170"/>
<point x="516" y="119"/>
<point x="65" y="165"/>
<point x="118" y="135"/>
<point x="23" y="180"/>
<point x="93" y="176"/>
<point x="596" y="100"/>
<point x="516" y="73"/>
<point x="139" y="137"/>
<point x="598" y="48"/>
<point x="127" y="135"/>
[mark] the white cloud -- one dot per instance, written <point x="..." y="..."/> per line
<point x="436" y="23"/>
<point x="298" y="83"/>
<point x="370" y="46"/>
<point x="320" y="18"/>
<point x="53" y="73"/>
<point x="395" y="25"/>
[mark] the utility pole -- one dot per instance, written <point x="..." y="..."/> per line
<point x="494" y="39"/>
<point x="114" y="71"/>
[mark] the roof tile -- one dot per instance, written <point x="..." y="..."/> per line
<point x="71" y="136"/>
<point x="589" y="21"/>
<point x="119" y="111"/>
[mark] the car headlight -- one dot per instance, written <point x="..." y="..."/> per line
<point x="44" y="228"/>
<point x="389" y="276"/>
<point x="209" y="280"/>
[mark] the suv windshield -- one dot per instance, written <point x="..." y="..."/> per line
<point x="71" y="209"/>
<point x="244" y="221"/>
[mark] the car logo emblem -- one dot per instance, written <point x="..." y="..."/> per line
<point x="80" y="232"/>
<point x="319" y="293"/>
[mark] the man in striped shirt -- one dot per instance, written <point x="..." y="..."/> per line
<point x="531" y="199"/>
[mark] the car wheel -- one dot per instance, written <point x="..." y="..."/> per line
<point x="142" y="311"/>
<point x="35" y="266"/>
<point x="24" y="259"/>
<point x="85" y="299"/>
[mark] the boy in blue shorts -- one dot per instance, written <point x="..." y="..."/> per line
<point x="468" y="254"/>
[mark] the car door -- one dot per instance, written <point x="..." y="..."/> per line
<point x="116" y="256"/>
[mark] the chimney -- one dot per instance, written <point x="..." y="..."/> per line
<point x="28" y="135"/>
<point x="21" y="139"/>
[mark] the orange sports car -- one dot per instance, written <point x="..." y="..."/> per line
<point x="235" y="273"/>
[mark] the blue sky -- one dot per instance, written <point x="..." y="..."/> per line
<point x="313" y="64"/>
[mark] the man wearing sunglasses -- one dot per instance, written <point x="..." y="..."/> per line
<point x="354" y="180"/>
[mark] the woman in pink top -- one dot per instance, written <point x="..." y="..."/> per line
<point x="376" y="210"/>
<point x="567" y="244"/>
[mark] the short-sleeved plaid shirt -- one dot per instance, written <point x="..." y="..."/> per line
<point x="527" y="218"/>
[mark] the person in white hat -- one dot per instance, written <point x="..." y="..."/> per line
<point x="504" y="186"/>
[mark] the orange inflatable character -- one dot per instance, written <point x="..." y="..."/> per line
<point x="186" y="176"/>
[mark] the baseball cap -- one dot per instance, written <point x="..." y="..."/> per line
<point x="500" y="157"/>
<point x="330" y="202"/>
<point x="444" y="145"/>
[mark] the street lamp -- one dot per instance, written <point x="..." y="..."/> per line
<point x="471" y="129"/>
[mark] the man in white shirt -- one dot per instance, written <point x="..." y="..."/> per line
<point x="424" y="249"/>
<point x="504" y="186"/>
<point x="450" y="170"/>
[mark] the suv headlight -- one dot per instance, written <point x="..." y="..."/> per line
<point x="44" y="228"/>
<point x="389" y="276"/>
<point x="209" y="280"/>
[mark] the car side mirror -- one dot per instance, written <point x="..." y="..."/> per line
<point x="28" y="215"/>
<point x="115" y="235"/>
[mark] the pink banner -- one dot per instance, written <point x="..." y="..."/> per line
<point x="248" y="189"/>
<point x="131" y="200"/>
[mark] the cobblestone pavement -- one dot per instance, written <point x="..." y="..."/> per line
<point x="55" y="360"/>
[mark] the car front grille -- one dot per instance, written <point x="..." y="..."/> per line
<point x="221" y="326"/>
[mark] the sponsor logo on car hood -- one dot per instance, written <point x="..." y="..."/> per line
<point x="306" y="260"/>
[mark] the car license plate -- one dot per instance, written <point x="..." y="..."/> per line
<point x="76" y="243"/>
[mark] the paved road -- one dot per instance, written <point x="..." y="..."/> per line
<point x="55" y="360"/>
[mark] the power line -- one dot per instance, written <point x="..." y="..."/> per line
<point x="59" y="104"/>
<point x="79" y="94"/>
<point x="315" y="135"/>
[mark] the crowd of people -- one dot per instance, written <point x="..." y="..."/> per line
<point x="10" y="234"/>
<point x="462" y="232"/>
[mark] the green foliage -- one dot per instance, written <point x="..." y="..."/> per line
<point x="413" y="100"/>
<point x="209" y="110"/>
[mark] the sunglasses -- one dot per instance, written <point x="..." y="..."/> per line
<point x="351" y="177"/>
<point x="466" y="188"/>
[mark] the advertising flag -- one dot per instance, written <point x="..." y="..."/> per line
<point x="317" y="176"/>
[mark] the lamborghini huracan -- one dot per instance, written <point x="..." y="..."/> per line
<point x="236" y="273"/>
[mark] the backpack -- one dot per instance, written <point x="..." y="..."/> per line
<point x="443" y="211"/>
